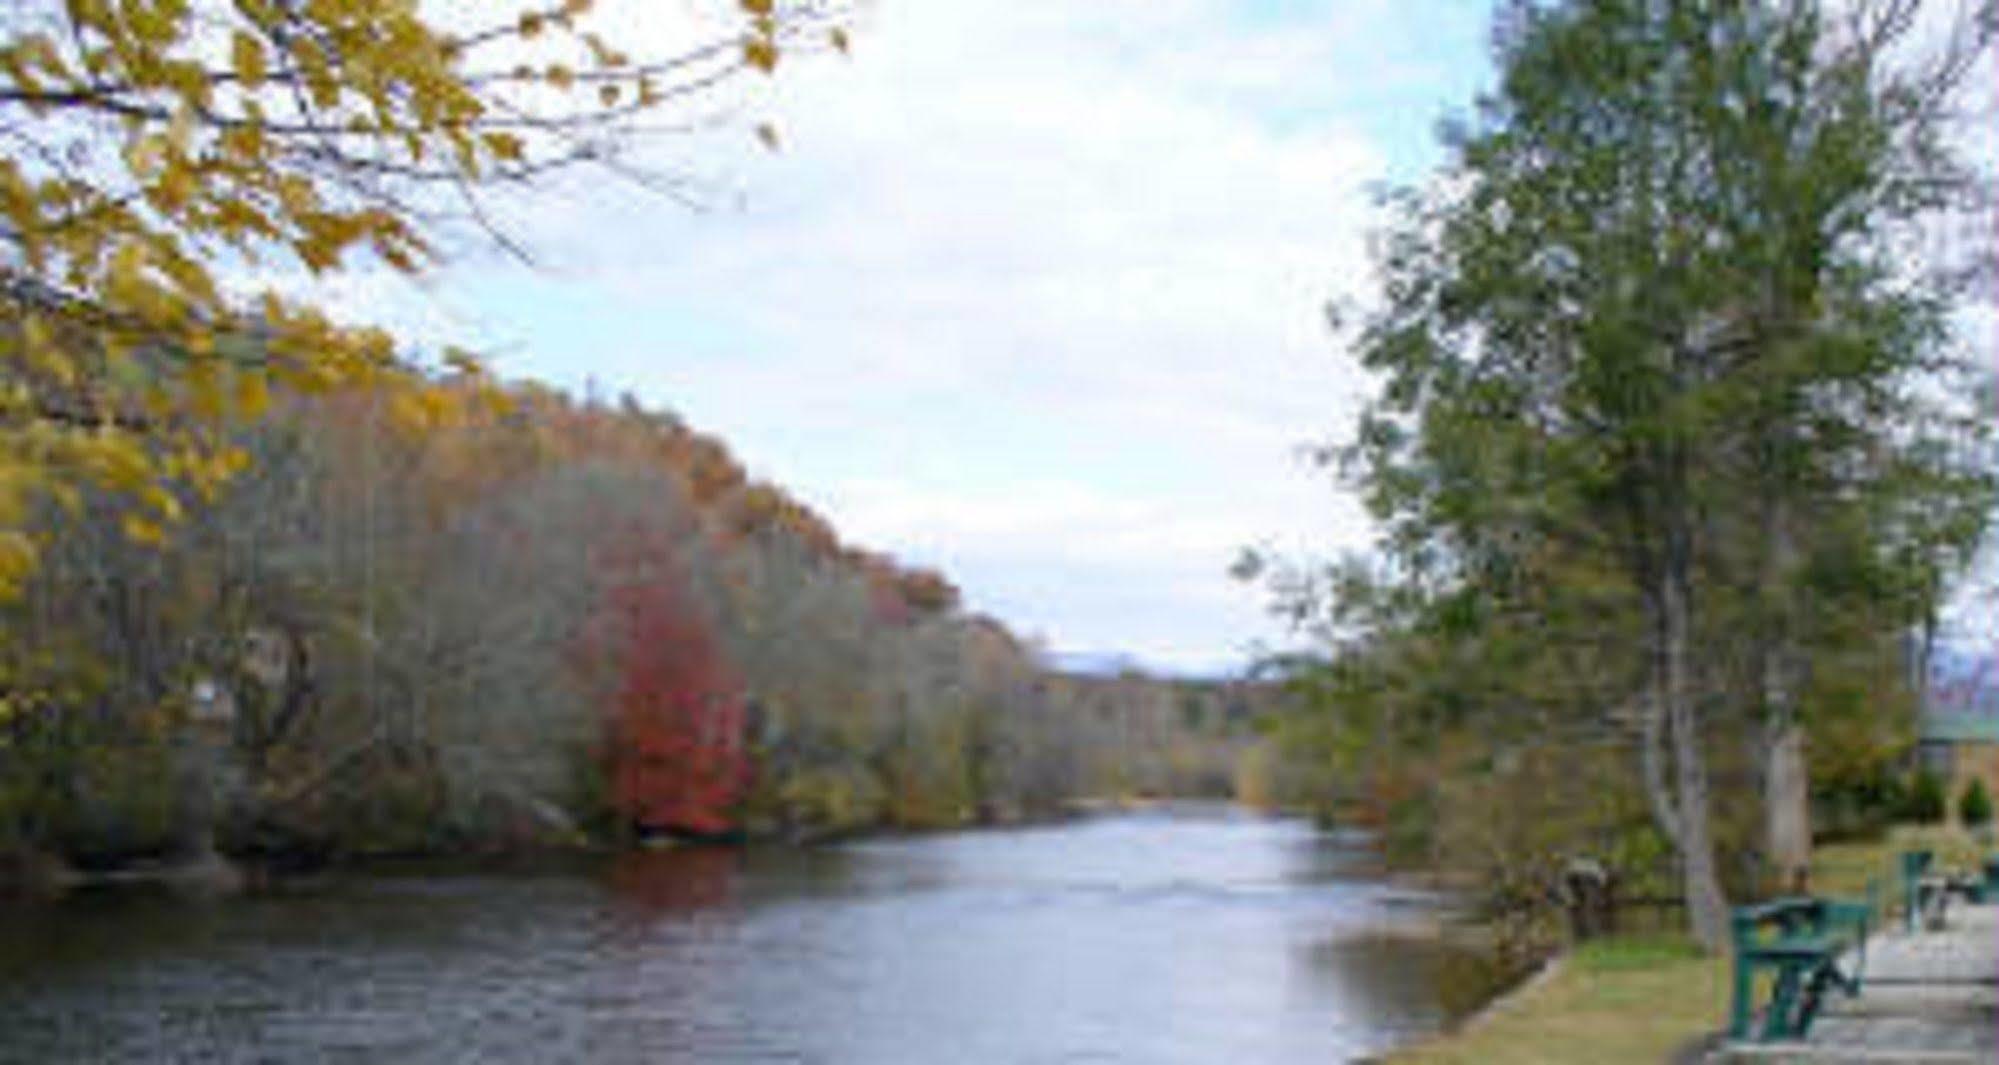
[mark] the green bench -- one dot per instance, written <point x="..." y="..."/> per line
<point x="1926" y="891"/>
<point x="1800" y="942"/>
<point x="1983" y="888"/>
<point x="1915" y="897"/>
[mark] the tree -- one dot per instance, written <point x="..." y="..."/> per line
<point x="1974" y="806"/>
<point x="1927" y="800"/>
<point x="1654" y="314"/>
<point x="676" y="747"/>
<point x="162" y="153"/>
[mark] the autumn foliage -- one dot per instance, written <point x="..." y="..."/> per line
<point x="676" y="756"/>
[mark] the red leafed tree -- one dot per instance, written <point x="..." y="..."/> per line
<point x="676" y="756"/>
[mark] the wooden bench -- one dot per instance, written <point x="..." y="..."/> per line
<point x="1800" y="942"/>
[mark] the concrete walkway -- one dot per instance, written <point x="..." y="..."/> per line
<point x="1928" y="997"/>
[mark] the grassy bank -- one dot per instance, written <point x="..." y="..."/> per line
<point x="1640" y="998"/>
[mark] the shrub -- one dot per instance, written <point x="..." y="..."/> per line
<point x="1926" y="799"/>
<point x="1858" y="808"/>
<point x="1974" y="807"/>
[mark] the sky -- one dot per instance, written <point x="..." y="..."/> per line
<point x="1032" y="292"/>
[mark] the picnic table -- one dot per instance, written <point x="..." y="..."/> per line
<point x="1800" y="940"/>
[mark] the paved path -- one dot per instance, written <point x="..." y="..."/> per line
<point x="1928" y="997"/>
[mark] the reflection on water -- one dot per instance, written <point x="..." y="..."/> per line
<point x="1160" y="937"/>
<point x="676" y="881"/>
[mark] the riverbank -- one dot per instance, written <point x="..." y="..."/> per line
<point x="36" y="874"/>
<point x="1646" y="998"/>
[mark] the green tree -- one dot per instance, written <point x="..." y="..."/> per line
<point x="1974" y="807"/>
<point x="1926" y="803"/>
<point x="1653" y="326"/>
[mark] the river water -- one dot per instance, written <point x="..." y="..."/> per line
<point x="1162" y="937"/>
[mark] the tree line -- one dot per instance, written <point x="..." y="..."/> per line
<point x="531" y="620"/>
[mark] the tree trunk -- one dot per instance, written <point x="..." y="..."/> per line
<point x="1707" y="907"/>
<point x="1653" y="761"/>
<point x="1787" y="801"/>
<point x="1787" y="808"/>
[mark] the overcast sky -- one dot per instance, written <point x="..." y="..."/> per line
<point x="1032" y="293"/>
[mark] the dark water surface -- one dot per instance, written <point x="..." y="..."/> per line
<point x="1163" y="937"/>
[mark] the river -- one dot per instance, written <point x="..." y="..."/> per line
<point x="1198" y="936"/>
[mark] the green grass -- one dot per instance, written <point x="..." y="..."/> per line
<point x="1635" y="952"/>
<point x="1641" y="998"/>
<point x="1616" y="1000"/>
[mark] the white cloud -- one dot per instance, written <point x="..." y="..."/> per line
<point x="1033" y="292"/>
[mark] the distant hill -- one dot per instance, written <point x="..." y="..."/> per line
<point x="1121" y="663"/>
<point x="1094" y="663"/>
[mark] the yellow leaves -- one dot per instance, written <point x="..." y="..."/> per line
<point x="323" y="238"/>
<point x="175" y="185"/>
<point x="118" y="460"/>
<point x="246" y="57"/>
<point x="317" y="71"/>
<point x="605" y="56"/>
<point x="68" y="497"/>
<point x="125" y="282"/>
<point x="18" y="201"/>
<point x="17" y="561"/>
<point x="420" y="406"/>
<point x="162" y="502"/>
<point x="297" y="194"/>
<point x="150" y="25"/>
<point x="207" y="472"/>
<point x="837" y="37"/>
<point x="505" y="146"/>
<point x="144" y="154"/>
<point x="31" y="58"/>
<point x="203" y="395"/>
<point x="760" y="46"/>
<point x="230" y="461"/>
<point x="412" y="411"/>
<point x="143" y="530"/>
<point x="237" y="221"/>
<point x="261" y="130"/>
<point x="253" y="395"/>
<point x="41" y="353"/>
<point x="246" y="147"/>
<point x="14" y="63"/>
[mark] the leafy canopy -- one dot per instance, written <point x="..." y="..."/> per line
<point x="166" y="158"/>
